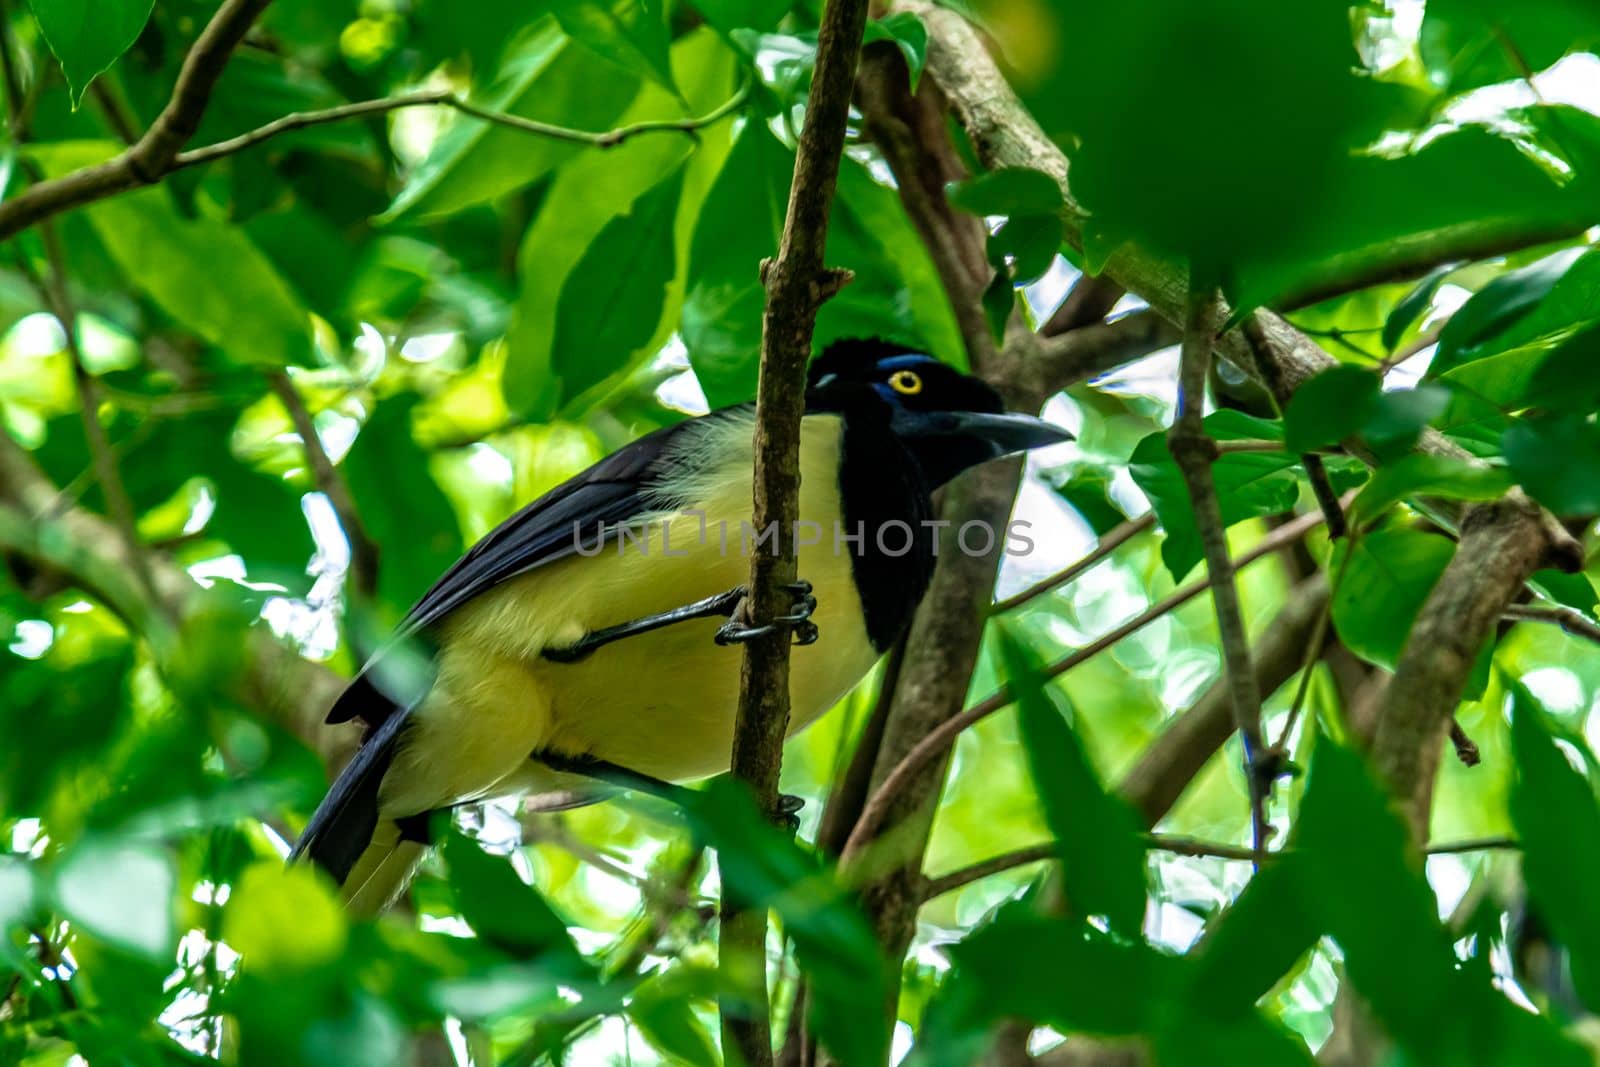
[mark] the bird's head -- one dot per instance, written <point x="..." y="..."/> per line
<point x="949" y="421"/>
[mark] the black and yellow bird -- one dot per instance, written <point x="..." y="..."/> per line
<point x="587" y="641"/>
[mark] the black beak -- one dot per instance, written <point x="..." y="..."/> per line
<point x="1000" y="435"/>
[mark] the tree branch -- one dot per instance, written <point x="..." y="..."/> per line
<point x="444" y="98"/>
<point x="271" y="677"/>
<point x="935" y="743"/>
<point x="152" y="156"/>
<point x="1170" y="762"/>
<point x="1502" y="544"/>
<point x="797" y="283"/>
<point x="157" y="154"/>
<point x="1112" y="540"/>
<point x="1571" y="620"/>
<point x="364" y="552"/>
<point x="1195" y="452"/>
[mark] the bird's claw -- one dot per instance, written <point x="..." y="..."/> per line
<point x="797" y="620"/>
<point x="787" y="813"/>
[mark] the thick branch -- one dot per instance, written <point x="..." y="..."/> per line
<point x="1501" y="545"/>
<point x="797" y="284"/>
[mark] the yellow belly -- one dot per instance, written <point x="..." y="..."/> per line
<point x="661" y="703"/>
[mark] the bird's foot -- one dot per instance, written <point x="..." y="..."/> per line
<point x="787" y="813"/>
<point x="798" y="619"/>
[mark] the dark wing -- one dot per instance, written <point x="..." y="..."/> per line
<point x="611" y="493"/>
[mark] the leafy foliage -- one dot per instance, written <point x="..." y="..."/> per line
<point x="470" y="312"/>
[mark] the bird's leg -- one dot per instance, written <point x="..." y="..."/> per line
<point x="723" y="604"/>
<point x="787" y="813"/>
<point x="798" y="619"/>
<point x="613" y="774"/>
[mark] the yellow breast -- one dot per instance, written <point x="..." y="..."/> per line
<point x="662" y="703"/>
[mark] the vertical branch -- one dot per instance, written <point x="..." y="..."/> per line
<point x="363" y="550"/>
<point x="797" y="284"/>
<point x="1194" y="452"/>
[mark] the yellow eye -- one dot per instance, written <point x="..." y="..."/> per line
<point x="906" y="382"/>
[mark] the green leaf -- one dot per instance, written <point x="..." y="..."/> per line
<point x="1556" y="458"/>
<point x="1497" y="305"/>
<point x="1329" y="408"/>
<point x="284" y="920"/>
<point x="505" y="911"/>
<point x="1028" y="244"/>
<point x="631" y="34"/>
<point x="1420" y="474"/>
<point x="999" y="297"/>
<point x="591" y="191"/>
<point x="545" y="77"/>
<point x="87" y="36"/>
<point x="663" y="1010"/>
<point x="120" y="892"/>
<point x="730" y="15"/>
<point x="896" y="293"/>
<point x="1008" y="191"/>
<point x="909" y="35"/>
<point x="1051" y="971"/>
<point x="1414" y="304"/>
<point x="616" y="293"/>
<point x="1385" y="577"/>
<point x="1266" y="930"/>
<point x="1096" y="833"/>
<point x="833" y="942"/>
<point x="1470" y="43"/>
<point x="402" y="507"/>
<point x="1249" y="484"/>
<point x="1397" y="417"/>
<point x="1558" y="822"/>
<point x="205" y="274"/>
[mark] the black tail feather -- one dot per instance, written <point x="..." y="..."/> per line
<point x="343" y="824"/>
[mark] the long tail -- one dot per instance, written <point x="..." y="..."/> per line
<point x="371" y="857"/>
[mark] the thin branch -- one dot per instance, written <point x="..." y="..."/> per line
<point x="52" y="291"/>
<point x="1175" y="844"/>
<point x="1327" y="499"/>
<point x="151" y="157"/>
<point x="1571" y="620"/>
<point x="364" y="551"/>
<point x="1226" y="448"/>
<point x="797" y="284"/>
<point x="1194" y="451"/>
<point x="1112" y="540"/>
<point x="445" y="98"/>
<point x="938" y="740"/>
<point x="159" y="151"/>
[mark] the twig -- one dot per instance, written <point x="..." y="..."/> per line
<point x="1327" y="499"/>
<point x="1421" y="343"/>
<point x="445" y="98"/>
<point x="797" y="284"/>
<point x="1175" y="844"/>
<point x="1247" y="445"/>
<point x="364" y="552"/>
<point x="151" y="157"/>
<point x="938" y="740"/>
<point x="1114" y="539"/>
<point x="52" y="290"/>
<point x="1194" y="452"/>
<point x="1571" y="620"/>
<point x="1466" y="748"/>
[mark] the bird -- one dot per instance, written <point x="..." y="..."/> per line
<point x="591" y="641"/>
